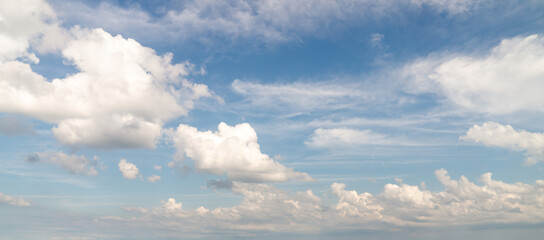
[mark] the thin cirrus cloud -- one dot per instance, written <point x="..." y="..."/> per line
<point x="505" y="136"/>
<point x="111" y="102"/>
<point x="265" y="20"/>
<point x="234" y="151"/>
<point x="306" y="97"/>
<point x="461" y="202"/>
<point x="341" y="138"/>
<point x="505" y="80"/>
<point x="345" y="137"/>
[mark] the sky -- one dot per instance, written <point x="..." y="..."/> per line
<point x="272" y="119"/>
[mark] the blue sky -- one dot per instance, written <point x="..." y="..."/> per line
<point x="413" y="119"/>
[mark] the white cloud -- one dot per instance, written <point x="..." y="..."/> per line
<point x="172" y="206"/>
<point x="349" y="137"/>
<point x="344" y="137"/>
<point x="267" y="208"/>
<point x="112" y="101"/>
<point x="129" y="170"/>
<point x="507" y="79"/>
<point x="153" y="178"/>
<point x="505" y="136"/>
<point x="233" y="151"/>
<point x="462" y="202"/>
<point x="13" y="201"/>
<point x="74" y="164"/>
<point x="157" y="167"/>
<point x="26" y="22"/>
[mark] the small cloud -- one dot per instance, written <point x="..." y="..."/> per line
<point x="13" y="201"/>
<point x="153" y="178"/>
<point x="32" y="158"/>
<point x="129" y="170"/>
<point x="376" y="40"/>
<point x="157" y="167"/>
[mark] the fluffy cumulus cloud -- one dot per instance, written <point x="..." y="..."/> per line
<point x="505" y="136"/>
<point x="266" y="208"/>
<point x="129" y="170"/>
<point x="111" y="101"/>
<point x="74" y="164"/>
<point x="13" y="201"/>
<point x="509" y="78"/>
<point x="232" y="150"/>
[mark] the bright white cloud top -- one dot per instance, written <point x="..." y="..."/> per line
<point x="505" y="136"/>
<point x="505" y="80"/>
<point x="234" y="151"/>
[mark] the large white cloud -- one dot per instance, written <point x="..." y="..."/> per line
<point x="74" y="164"/>
<point x="111" y="102"/>
<point x="505" y="136"/>
<point x="232" y="150"/>
<point x="509" y="78"/>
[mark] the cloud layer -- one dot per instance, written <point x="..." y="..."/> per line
<point x="266" y="208"/>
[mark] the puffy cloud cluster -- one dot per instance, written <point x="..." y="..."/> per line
<point x="111" y="102"/>
<point x="507" y="79"/>
<point x="74" y="164"/>
<point x="129" y="170"/>
<point x="505" y="136"/>
<point x="13" y="201"/>
<point x="264" y="207"/>
<point x="462" y="202"/>
<point x="234" y="151"/>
